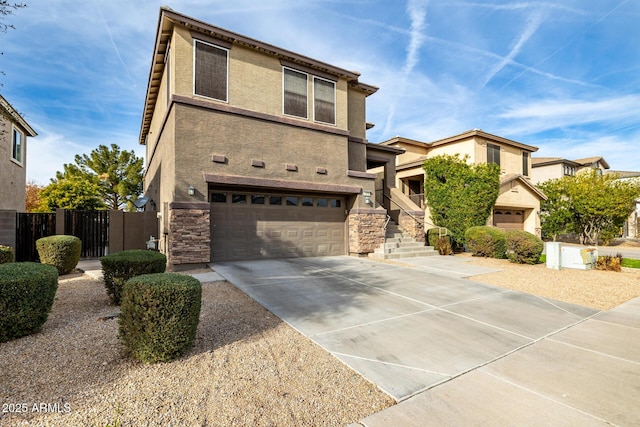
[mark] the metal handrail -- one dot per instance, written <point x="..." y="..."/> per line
<point x="406" y="212"/>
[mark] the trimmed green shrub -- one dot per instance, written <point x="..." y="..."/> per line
<point x="486" y="241"/>
<point x="523" y="247"/>
<point x="62" y="252"/>
<point x="6" y="254"/>
<point x="119" y="267"/>
<point x="159" y="316"/>
<point x="27" y="290"/>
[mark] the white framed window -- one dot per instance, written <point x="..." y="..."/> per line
<point x="295" y="93"/>
<point x="17" y="145"/>
<point x="210" y="71"/>
<point x="324" y="101"/>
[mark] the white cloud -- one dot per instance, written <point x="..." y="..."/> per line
<point x="539" y="116"/>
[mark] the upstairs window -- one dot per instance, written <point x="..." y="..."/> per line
<point x="493" y="154"/>
<point x="525" y="163"/>
<point x="17" y="145"/>
<point x="295" y="93"/>
<point x="211" y="64"/>
<point x="324" y="101"/>
<point x="569" y="170"/>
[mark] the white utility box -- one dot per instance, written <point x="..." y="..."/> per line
<point x="552" y="249"/>
<point x="578" y="257"/>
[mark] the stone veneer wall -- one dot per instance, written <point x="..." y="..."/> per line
<point x="189" y="233"/>
<point x="366" y="230"/>
<point x="412" y="223"/>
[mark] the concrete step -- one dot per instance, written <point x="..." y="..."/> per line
<point x="422" y="252"/>
<point x="405" y="239"/>
<point x="399" y="247"/>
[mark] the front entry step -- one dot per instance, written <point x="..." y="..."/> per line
<point x="399" y="245"/>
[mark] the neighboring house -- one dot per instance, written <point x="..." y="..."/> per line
<point x="547" y="168"/>
<point x="14" y="131"/>
<point x="254" y="151"/>
<point x="518" y="203"/>
<point x="631" y="227"/>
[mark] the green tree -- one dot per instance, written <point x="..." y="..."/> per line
<point x="555" y="213"/>
<point x="117" y="174"/>
<point x="460" y="195"/>
<point x="598" y="205"/>
<point x="70" y="194"/>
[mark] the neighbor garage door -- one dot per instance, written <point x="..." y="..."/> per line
<point x="260" y="225"/>
<point x="508" y="219"/>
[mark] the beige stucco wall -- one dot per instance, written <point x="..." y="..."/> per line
<point x="541" y="174"/>
<point x="357" y="113"/>
<point x="201" y="133"/>
<point x="255" y="81"/>
<point x="463" y="148"/>
<point x="515" y="195"/>
<point x="159" y="179"/>
<point x="12" y="174"/>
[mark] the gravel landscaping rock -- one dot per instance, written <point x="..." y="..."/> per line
<point x="602" y="290"/>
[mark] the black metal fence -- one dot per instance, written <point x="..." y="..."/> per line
<point x="92" y="228"/>
<point x="31" y="227"/>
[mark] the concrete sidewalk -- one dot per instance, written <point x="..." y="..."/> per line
<point x="456" y="352"/>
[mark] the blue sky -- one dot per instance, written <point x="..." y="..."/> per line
<point x="562" y="75"/>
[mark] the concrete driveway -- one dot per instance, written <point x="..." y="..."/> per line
<point x="453" y="351"/>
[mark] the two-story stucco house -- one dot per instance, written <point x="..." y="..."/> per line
<point x="254" y="151"/>
<point x="14" y="131"/>
<point x="547" y="168"/>
<point x="518" y="203"/>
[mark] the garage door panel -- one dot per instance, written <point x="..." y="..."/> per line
<point x="246" y="231"/>
<point x="508" y="219"/>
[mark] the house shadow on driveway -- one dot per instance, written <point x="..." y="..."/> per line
<point x="405" y="329"/>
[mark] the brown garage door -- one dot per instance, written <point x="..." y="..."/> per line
<point x="508" y="219"/>
<point x="259" y="225"/>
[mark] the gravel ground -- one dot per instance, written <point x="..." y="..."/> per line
<point x="602" y="290"/>
<point x="247" y="367"/>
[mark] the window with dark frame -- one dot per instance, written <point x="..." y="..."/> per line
<point x="493" y="154"/>
<point x="239" y="199"/>
<point x="295" y="93"/>
<point x="324" y="101"/>
<point x="16" y="145"/>
<point x="275" y="200"/>
<point x="218" y="198"/>
<point x="525" y="163"/>
<point x="211" y="71"/>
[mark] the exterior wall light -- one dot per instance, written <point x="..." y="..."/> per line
<point x="191" y="190"/>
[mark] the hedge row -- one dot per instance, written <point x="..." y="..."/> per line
<point x="519" y="246"/>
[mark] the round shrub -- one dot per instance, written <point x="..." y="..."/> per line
<point x="486" y="241"/>
<point x="62" y="252"/>
<point x="523" y="247"/>
<point x="119" y="267"/>
<point x="159" y="315"/>
<point x="27" y="290"/>
<point x="6" y="254"/>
